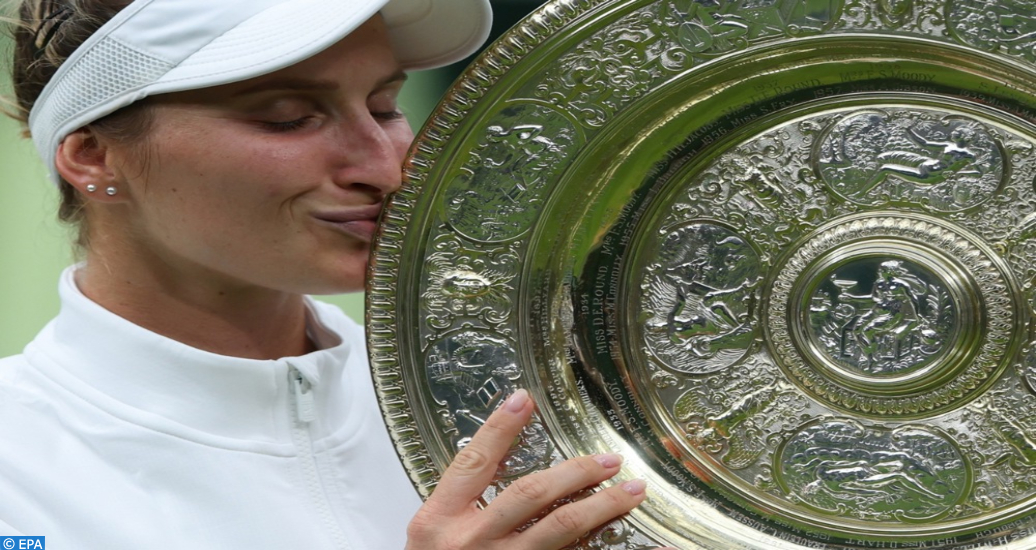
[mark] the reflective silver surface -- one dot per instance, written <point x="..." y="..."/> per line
<point x="778" y="253"/>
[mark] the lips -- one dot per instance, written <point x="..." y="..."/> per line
<point x="351" y="214"/>
<point x="357" y="221"/>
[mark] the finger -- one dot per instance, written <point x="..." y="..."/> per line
<point x="475" y="466"/>
<point x="571" y="521"/>
<point x="527" y="497"/>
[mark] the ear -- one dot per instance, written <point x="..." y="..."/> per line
<point x="84" y="162"/>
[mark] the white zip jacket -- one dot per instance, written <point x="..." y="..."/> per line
<point x="115" y="438"/>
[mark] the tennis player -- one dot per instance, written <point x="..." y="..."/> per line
<point x="221" y="160"/>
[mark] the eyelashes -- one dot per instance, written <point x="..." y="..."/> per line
<point x="394" y="114"/>
<point x="287" y="126"/>
<point x="299" y="123"/>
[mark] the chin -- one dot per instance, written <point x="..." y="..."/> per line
<point x="342" y="281"/>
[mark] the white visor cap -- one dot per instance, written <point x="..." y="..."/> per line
<point x="159" y="46"/>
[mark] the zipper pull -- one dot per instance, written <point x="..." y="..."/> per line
<point x="304" y="405"/>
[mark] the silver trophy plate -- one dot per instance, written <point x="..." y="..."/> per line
<point x="780" y="254"/>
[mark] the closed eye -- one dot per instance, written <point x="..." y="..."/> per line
<point x="395" y="114"/>
<point x="286" y="126"/>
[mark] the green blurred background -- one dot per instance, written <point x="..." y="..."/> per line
<point x="35" y="247"/>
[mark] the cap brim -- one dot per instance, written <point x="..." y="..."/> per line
<point x="271" y="40"/>
<point x="428" y="34"/>
<point x="447" y="31"/>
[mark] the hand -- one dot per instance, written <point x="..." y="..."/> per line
<point x="451" y="519"/>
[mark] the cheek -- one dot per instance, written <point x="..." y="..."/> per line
<point x="231" y="170"/>
<point x="200" y="195"/>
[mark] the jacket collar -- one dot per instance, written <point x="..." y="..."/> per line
<point x="128" y="369"/>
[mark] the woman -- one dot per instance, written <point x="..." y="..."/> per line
<point x="222" y="160"/>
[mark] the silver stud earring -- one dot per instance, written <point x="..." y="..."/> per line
<point x="91" y="188"/>
<point x="111" y="191"/>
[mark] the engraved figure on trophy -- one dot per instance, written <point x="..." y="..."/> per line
<point x="871" y="473"/>
<point x="998" y="430"/>
<point x="471" y="373"/>
<point x="703" y="29"/>
<point x="733" y="415"/>
<point x="715" y="26"/>
<point x="895" y="12"/>
<point x="939" y="158"/>
<point x="467" y="281"/>
<point x="991" y="25"/>
<point x="500" y="189"/>
<point x="765" y="188"/>
<point x="622" y="62"/>
<point x="881" y="319"/>
<point x="1021" y="442"/>
<point x="700" y="298"/>
<point x="898" y="157"/>
<point x="895" y="314"/>
<point x="733" y="430"/>
<point x="1006" y="414"/>
<point x="794" y="17"/>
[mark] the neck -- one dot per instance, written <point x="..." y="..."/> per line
<point x="206" y="313"/>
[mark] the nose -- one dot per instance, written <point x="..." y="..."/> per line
<point x="369" y="154"/>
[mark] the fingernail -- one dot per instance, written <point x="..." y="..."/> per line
<point x="517" y="401"/>
<point x="634" y="487"/>
<point x="608" y="460"/>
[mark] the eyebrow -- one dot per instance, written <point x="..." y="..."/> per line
<point x="310" y="85"/>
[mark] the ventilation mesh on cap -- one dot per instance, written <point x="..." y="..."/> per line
<point x="108" y="70"/>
